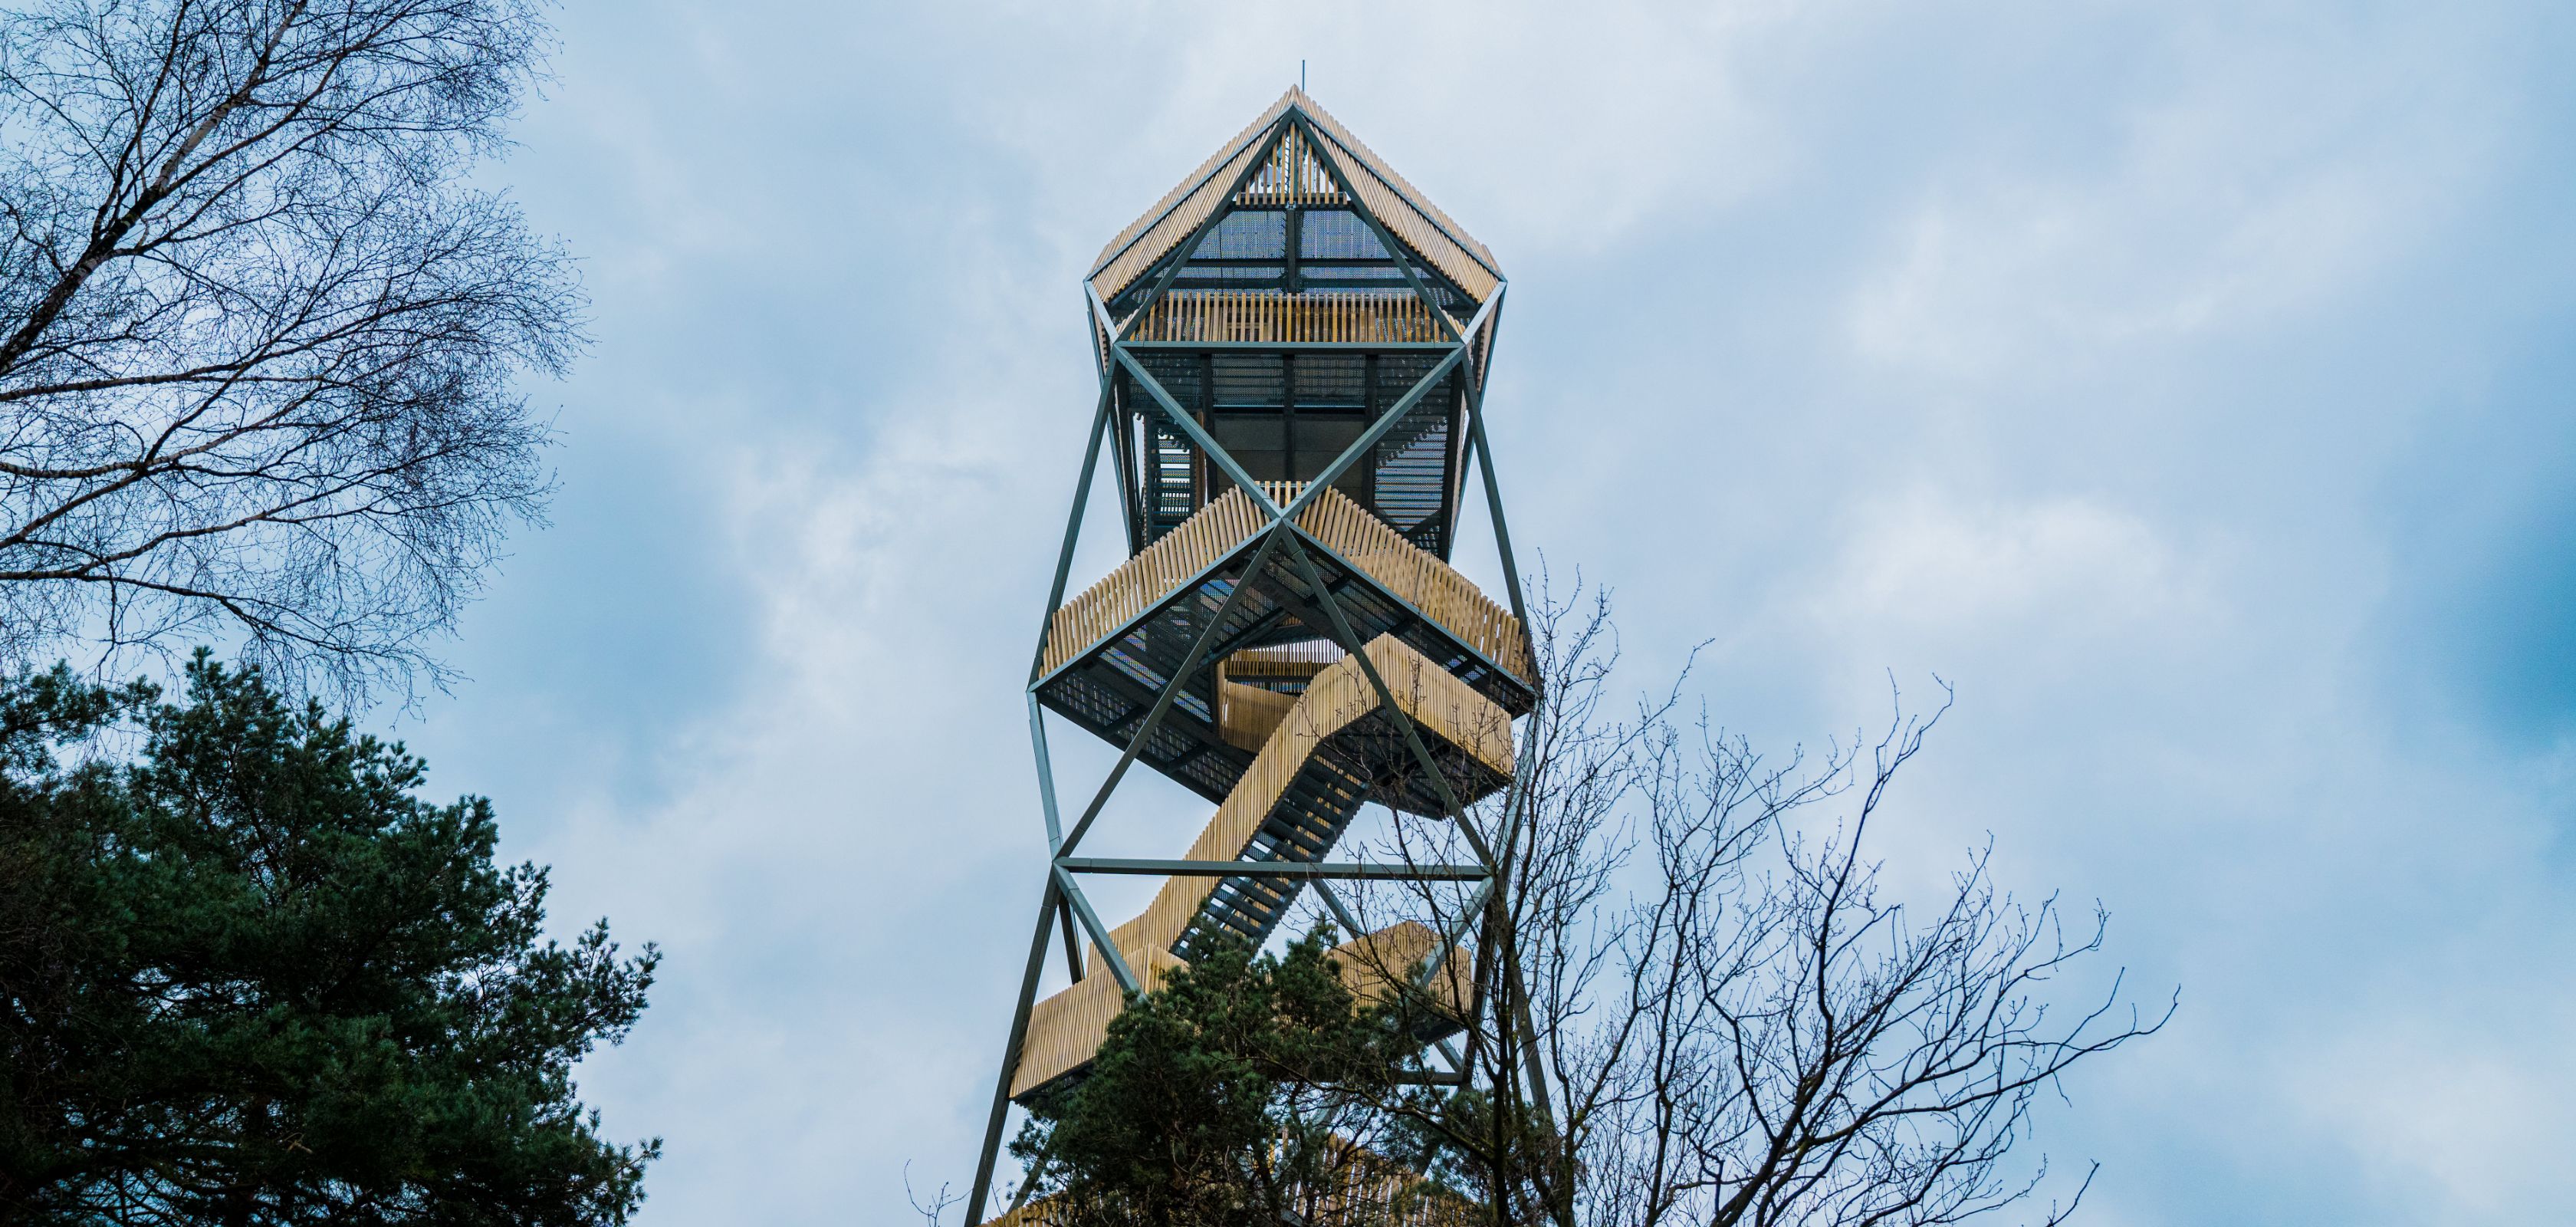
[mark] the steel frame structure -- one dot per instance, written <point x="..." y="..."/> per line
<point x="1131" y="393"/>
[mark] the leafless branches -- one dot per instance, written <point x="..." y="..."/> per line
<point x="256" y="337"/>
<point x="1713" y="1010"/>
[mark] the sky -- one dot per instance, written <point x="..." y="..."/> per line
<point x="2187" y="384"/>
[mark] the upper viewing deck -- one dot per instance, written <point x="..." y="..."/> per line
<point x="1290" y="296"/>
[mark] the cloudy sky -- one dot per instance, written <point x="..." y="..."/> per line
<point x="2190" y="384"/>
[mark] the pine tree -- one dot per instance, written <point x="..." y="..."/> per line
<point x="249" y="976"/>
<point x="1248" y="1090"/>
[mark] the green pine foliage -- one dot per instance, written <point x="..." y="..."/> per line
<point x="248" y="976"/>
<point x="1232" y="1096"/>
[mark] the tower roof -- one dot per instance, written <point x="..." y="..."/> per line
<point x="1298" y="153"/>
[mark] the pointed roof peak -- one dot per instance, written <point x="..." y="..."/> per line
<point x="1385" y="195"/>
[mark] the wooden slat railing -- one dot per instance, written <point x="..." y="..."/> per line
<point x="1066" y="1029"/>
<point x="1118" y="597"/>
<point x="1419" y="578"/>
<point x="1414" y="574"/>
<point x="1369" y="316"/>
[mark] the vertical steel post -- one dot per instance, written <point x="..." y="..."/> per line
<point x="983" y="1186"/>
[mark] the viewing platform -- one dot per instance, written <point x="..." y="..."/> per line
<point x="1110" y="649"/>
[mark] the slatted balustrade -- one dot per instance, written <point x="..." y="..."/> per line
<point x="1293" y="173"/>
<point x="1248" y="712"/>
<point x="1404" y="209"/>
<point x="1413" y="574"/>
<point x="1313" y="317"/>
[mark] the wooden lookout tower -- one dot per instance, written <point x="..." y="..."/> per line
<point x="1292" y="348"/>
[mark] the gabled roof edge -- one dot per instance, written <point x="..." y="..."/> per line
<point x="1436" y="228"/>
<point x="1397" y="183"/>
<point x="1189" y="185"/>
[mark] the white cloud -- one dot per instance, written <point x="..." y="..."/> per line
<point x="2052" y="571"/>
<point x="2466" y="1122"/>
<point x="1931" y="260"/>
<point x="2226" y="191"/>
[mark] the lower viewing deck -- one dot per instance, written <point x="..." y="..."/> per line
<point x="1111" y="650"/>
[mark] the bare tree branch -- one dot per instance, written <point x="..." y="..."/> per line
<point x="1734" y="1023"/>
<point x="258" y="341"/>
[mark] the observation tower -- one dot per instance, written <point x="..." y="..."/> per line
<point x="1292" y="348"/>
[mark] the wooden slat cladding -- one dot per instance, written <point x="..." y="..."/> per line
<point x="1371" y="966"/>
<point x="1412" y="226"/>
<point x="1174" y="228"/>
<point x="1413" y="574"/>
<point x="1065" y="1029"/>
<point x="1154" y="573"/>
<point x="1292" y="177"/>
<point x="1419" y="578"/>
<point x="1412" y="197"/>
<point x="1248" y="715"/>
<point x="1198" y="179"/>
<point x="1351" y="316"/>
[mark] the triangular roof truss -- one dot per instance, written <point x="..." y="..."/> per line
<point x="1295" y="154"/>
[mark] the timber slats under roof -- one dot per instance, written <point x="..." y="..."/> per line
<point x="1431" y="234"/>
<point x="1195" y="185"/>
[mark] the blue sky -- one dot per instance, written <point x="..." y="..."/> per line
<point x="2190" y="384"/>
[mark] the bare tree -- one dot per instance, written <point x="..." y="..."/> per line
<point x="257" y="335"/>
<point x="1713" y="1012"/>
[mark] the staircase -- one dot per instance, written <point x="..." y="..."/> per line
<point x="1326" y="755"/>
